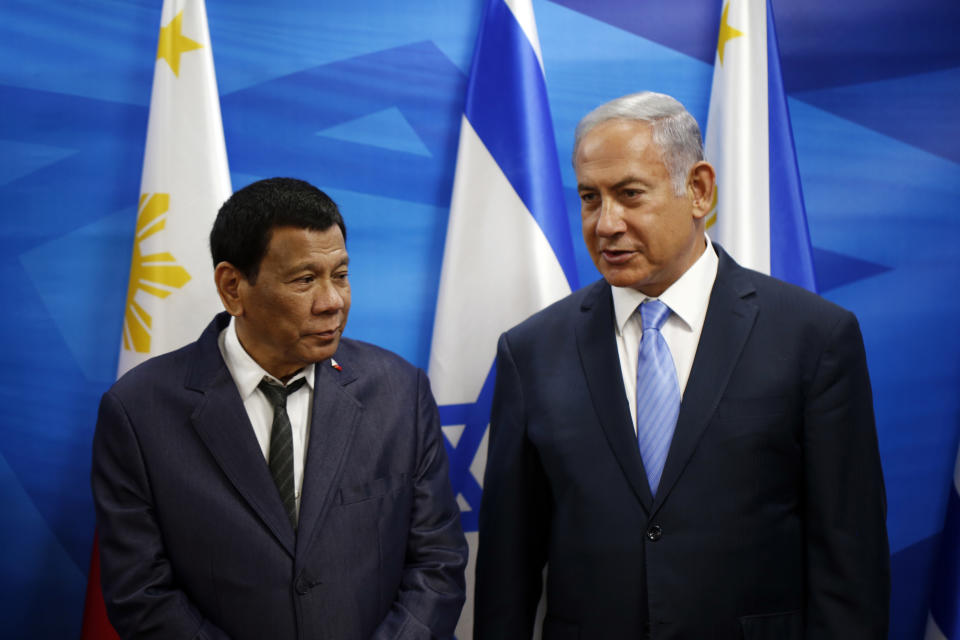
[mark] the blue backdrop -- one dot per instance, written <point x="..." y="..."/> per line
<point x="364" y="99"/>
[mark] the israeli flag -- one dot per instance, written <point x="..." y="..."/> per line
<point x="508" y="250"/>
<point x="944" y="620"/>
<point x="759" y="215"/>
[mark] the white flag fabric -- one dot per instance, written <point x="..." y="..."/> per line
<point x="943" y="622"/>
<point x="171" y="296"/>
<point x="759" y="215"/>
<point x="508" y="250"/>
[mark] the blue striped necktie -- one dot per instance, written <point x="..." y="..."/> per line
<point x="658" y="392"/>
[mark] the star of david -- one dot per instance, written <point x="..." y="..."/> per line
<point x="475" y="417"/>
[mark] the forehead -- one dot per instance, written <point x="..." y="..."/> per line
<point x="294" y="245"/>
<point x="624" y="145"/>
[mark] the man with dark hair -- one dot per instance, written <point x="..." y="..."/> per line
<point x="241" y="231"/>
<point x="687" y="445"/>
<point x="274" y="480"/>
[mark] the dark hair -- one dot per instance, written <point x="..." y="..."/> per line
<point x="245" y="222"/>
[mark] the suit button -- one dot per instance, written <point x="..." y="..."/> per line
<point x="301" y="586"/>
<point x="654" y="533"/>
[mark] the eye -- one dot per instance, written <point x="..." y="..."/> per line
<point x="306" y="279"/>
<point x="632" y="193"/>
<point x="587" y="196"/>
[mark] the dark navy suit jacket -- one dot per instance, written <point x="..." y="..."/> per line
<point x="194" y="540"/>
<point x="769" y="519"/>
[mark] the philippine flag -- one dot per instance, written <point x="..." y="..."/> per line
<point x="508" y="249"/>
<point x="759" y="216"/>
<point x="185" y="179"/>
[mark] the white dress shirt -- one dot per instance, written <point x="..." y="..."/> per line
<point x="247" y="374"/>
<point x="687" y="299"/>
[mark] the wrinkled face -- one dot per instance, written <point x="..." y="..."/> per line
<point x="295" y="312"/>
<point x="639" y="233"/>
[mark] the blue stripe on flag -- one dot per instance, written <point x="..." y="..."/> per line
<point x="507" y="106"/>
<point x="945" y="602"/>
<point x="791" y="258"/>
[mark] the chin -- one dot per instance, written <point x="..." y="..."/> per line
<point x="319" y="354"/>
<point x="619" y="279"/>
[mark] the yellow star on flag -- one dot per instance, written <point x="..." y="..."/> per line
<point x="173" y="43"/>
<point x="727" y="32"/>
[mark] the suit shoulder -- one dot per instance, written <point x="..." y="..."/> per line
<point x="562" y="313"/>
<point x="769" y="292"/>
<point x="371" y="356"/>
<point x="167" y="368"/>
<point x="796" y="299"/>
<point x="170" y="370"/>
<point x="792" y="312"/>
<point x="377" y="374"/>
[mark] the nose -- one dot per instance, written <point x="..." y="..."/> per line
<point x="327" y="298"/>
<point x="610" y="220"/>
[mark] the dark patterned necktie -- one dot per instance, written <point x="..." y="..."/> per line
<point x="281" y="443"/>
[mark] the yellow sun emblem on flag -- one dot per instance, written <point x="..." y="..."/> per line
<point x="157" y="274"/>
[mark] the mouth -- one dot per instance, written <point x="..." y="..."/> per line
<point x="617" y="256"/>
<point x="327" y="334"/>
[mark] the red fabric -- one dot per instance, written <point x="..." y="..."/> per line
<point x="96" y="626"/>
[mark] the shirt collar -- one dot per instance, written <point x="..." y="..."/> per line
<point x="246" y="373"/>
<point x="687" y="297"/>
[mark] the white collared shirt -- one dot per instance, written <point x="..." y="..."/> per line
<point x="247" y="374"/>
<point x="687" y="299"/>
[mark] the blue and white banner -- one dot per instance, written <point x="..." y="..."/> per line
<point x="508" y="250"/>
<point x="944" y="620"/>
<point x="759" y="215"/>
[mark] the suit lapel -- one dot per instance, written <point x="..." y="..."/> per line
<point x="222" y="423"/>
<point x="601" y="365"/>
<point x="332" y="425"/>
<point x="729" y="320"/>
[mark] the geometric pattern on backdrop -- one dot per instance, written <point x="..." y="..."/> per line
<point x="74" y="82"/>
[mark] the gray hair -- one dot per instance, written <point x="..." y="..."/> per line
<point x="675" y="131"/>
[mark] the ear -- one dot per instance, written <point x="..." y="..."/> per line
<point x="228" y="280"/>
<point x="700" y="187"/>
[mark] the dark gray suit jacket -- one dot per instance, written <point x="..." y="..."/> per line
<point x="194" y="540"/>
<point x="769" y="519"/>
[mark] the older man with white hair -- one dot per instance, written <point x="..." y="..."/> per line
<point x="687" y="445"/>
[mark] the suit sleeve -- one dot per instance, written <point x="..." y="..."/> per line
<point x="139" y="588"/>
<point x="514" y="516"/>
<point x="432" y="589"/>
<point x="847" y="553"/>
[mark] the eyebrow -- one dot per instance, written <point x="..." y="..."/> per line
<point x="309" y="266"/>
<point x="618" y="185"/>
<point x="342" y="263"/>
